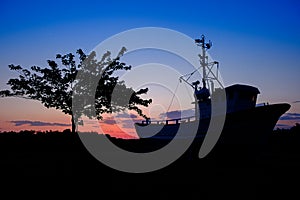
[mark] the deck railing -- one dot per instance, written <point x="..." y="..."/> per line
<point x="262" y="104"/>
<point x="170" y="121"/>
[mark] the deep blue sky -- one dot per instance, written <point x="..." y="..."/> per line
<point x="256" y="42"/>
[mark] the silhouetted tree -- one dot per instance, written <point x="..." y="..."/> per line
<point x="54" y="86"/>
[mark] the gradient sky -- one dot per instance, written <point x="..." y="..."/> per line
<point x="256" y="42"/>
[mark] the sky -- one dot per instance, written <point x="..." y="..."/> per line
<point x="256" y="43"/>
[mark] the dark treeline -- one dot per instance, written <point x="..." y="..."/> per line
<point x="31" y="138"/>
<point x="292" y="133"/>
<point x="32" y="141"/>
<point x="53" y="145"/>
<point x="279" y="132"/>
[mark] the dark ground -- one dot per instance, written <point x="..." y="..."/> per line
<point x="228" y="171"/>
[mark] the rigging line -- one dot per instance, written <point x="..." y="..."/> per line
<point x="191" y="73"/>
<point x="173" y="97"/>
<point x="187" y="89"/>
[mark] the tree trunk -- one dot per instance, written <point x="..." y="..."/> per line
<point x="73" y="125"/>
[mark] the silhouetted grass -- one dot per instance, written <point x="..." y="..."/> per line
<point x="248" y="169"/>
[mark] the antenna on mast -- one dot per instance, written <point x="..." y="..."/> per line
<point x="201" y="42"/>
<point x="206" y="66"/>
<point x="209" y="69"/>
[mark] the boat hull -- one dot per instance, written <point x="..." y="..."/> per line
<point x="251" y="126"/>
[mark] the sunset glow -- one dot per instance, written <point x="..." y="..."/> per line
<point x="256" y="43"/>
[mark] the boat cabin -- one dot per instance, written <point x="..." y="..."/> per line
<point x="238" y="97"/>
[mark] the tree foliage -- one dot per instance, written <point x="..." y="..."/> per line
<point x="93" y="80"/>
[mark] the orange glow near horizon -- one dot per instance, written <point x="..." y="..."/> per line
<point x="20" y="114"/>
<point x="17" y="110"/>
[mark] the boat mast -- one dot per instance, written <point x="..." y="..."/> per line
<point x="207" y="67"/>
<point x="203" y="63"/>
<point x="208" y="76"/>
